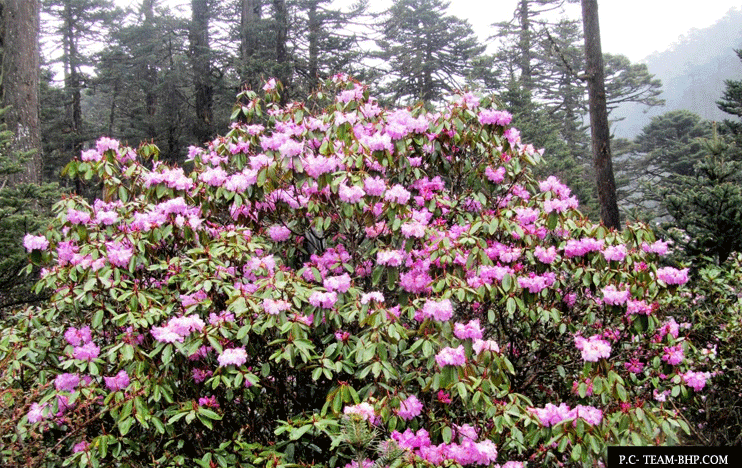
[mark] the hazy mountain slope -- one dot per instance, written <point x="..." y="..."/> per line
<point x="692" y="71"/>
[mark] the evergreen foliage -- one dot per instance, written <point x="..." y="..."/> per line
<point x="24" y="208"/>
<point x="706" y="207"/>
<point x="426" y="51"/>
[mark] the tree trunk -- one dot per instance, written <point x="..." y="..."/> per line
<point x="599" y="128"/>
<point x="249" y="19"/>
<point x="72" y="77"/>
<point x="199" y="38"/>
<point x="314" y="30"/>
<point x="20" y="83"/>
<point x="281" y="22"/>
<point x="150" y="72"/>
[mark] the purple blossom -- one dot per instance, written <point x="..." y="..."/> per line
<point x="613" y="296"/>
<point x="439" y="310"/>
<point x="279" y="233"/>
<point x="494" y="117"/>
<point x="470" y="330"/>
<point x="273" y="307"/>
<point x="545" y="255"/>
<point x="479" y="346"/>
<point x="363" y="409"/>
<point x="659" y="247"/>
<point x="31" y="242"/>
<point x="672" y="275"/>
<point x="409" y="408"/>
<point x="80" y="447"/>
<point x="118" y="382"/>
<point x="236" y="356"/>
<point x="673" y="355"/>
<point x="397" y="194"/>
<point x="38" y="413"/>
<point x="615" y="253"/>
<point x="339" y="283"/>
<point x="593" y="348"/>
<point x="76" y="337"/>
<point x="451" y="357"/>
<point x="119" y="254"/>
<point x="495" y="175"/>
<point x="86" y="352"/>
<point x="66" y="382"/>
<point x="696" y="380"/>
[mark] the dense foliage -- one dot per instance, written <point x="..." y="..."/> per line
<point x="333" y="281"/>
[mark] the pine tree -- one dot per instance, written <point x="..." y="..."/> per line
<point x="75" y="24"/>
<point x="426" y="51"/>
<point x="707" y="207"/>
<point x="670" y="146"/>
<point x="731" y="103"/>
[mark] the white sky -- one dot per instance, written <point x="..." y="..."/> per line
<point x="634" y="28"/>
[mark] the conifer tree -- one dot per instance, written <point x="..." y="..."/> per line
<point x="427" y="52"/>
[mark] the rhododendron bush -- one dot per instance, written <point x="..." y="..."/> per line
<point x="335" y="283"/>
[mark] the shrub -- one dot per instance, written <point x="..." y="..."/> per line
<point x="335" y="282"/>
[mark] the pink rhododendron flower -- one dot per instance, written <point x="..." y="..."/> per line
<point x="537" y="283"/>
<point x="479" y="346"/>
<point x="363" y="409"/>
<point x="235" y="356"/>
<point x="86" y="352"/>
<point x="397" y="194"/>
<point x="495" y="175"/>
<point x="494" y="117"/>
<point x="659" y="247"/>
<point x="634" y="307"/>
<point x="279" y="233"/>
<point x="372" y="296"/>
<point x="188" y="300"/>
<point x="593" y="348"/>
<point x="104" y="144"/>
<point x="38" y="413"/>
<point x="579" y="247"/>
<point x="118" y="382"/>
<point x="339" y="283"/>
<point x="672" y="275"/>
<point x="270" y="85"/>
<point x="696" y="380"/>
<point x="392" y="258"/>
<point x="75" y="336"/>
<point x="119" y="254"/>
<point x="31" y="242"/>
<point x="613" y="296"/>
<point x="326" y="300"/>
<point x="439" y="310"/>
<point x="208" y="402"/>
<point x="66" y="382"/>
<point x="273" y="307"/>
<point x="451" y="357"/>
<point x="350" y="194"/>
<point x="91" y="155"/>
<point x="409" y="408"/>
<point x="673" y="355"/>
<point x="545" y="255"/>
<point x="77" y="217"/>
<point x="177" y="328"/>
<point x="615" y="253"/>
<point x="470" y="330"/>
<point x="80" y="447"/>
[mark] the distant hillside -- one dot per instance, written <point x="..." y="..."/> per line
<point x="692" y="71"/>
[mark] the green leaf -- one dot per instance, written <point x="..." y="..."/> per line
<point x="124" y="425"/>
